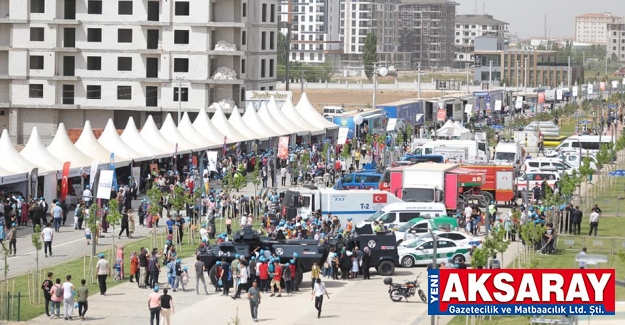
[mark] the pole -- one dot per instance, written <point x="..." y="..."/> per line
<point x="525" y="77"/>
<point x="302" y="81"/>
<point x="419" y="80"/>
<point x="568" y="74"/>
<point x="288" y="54"/>
<point x="468" y="91"/>
<point x="375" y="82"/>
<point x="518" y="64"/>
<point x="490" y="73"/>
<point x="434" y="262"/>
<point x="179" y="100"/>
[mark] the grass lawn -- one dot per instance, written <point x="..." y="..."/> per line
<point x="608" y="200"/>
<point x="77" y="269"/>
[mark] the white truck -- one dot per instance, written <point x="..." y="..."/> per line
<point x="474" y="154"/>
<point x="355" y="204"/>
<point x="508" y="153"/>
<point x="425" y="182"/>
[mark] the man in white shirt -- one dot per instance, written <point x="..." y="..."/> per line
<point x="47" y="234"/>
<point x="204" y="233"/>
<point x="243" y="220"/>
<point x="318" y="291"/>
<point x="68" y="298"/>
<point x="86" y="196"/>
<point x="594" y="222"/>
<point x="582" y="254"/>
<point x="242" y="277"/>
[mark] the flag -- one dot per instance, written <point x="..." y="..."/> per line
<point x="238" y="148"/>
<point x="64" y="180"/>
<point x="201" y="173"/>
<point x="34" y="182"/>
<point x="283" y="147"/>
<point x="112" y="167"/>
<point x="225" y="145"/>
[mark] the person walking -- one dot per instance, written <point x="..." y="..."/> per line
<point x="593" y="220"/>
<point x="120" y="257"/>
<point x="68" y="297"/>
<point x="242" y="276"/>
<point x="56" y="296"/>
<point x="254" y="297"/>
<point x="46" y="286"/>
<point x="57" y="215"/>
<point x="200" y="268"/>
<point x="143" y="266"/>
<point x="124" y="225"/>
<point x="153" y="268"/>
<point x="366" y="263"/>
<point x="167" y="306"/>
<point x="318" y="291"/>
<point x="12" y="239"/>
<point x="82" y="295"/>
<point x="154" y="305"/>
<point x="103" y="270"/>
<point x="315" y="273"/>
<point x="275" y="282"/>
<point x="226" y="277"/>
<point x="134" y="267"/>
<point x="47" y="234"/>
<point x="131" y="222"/>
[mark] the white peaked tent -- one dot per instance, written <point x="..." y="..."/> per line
<point x="205" y="127"/>
<point x="89" y="145"/>
<point x="270" y="122"/>
<point x="253" y="121"/>
<point x="449" y="129"/>
<point x="220" y="121"/>
<point x="307" y="111"/>
<point x="111" y="141"/>
<point x="188" y="131"/>
<point x="170" y="132"/>
<point x="63" y="149"/>
<point x="150" y="134"/>
<point x="237" y="122"/>
<point x="5" y="173"/>
<point x="12" y="161"/>
<point x="133" y="139"/>
<point x="289" y="111"/>
<point x="284" y="121"/>
<point x="36" y="153"/>
<point x="461" y="127"/>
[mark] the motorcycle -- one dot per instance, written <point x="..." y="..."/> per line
<point x="398" y="291"/>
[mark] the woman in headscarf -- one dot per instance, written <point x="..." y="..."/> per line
<point x="131" y="221"/>
<point x="120" y="256"/>
<point x="24" y="213"/>
<point x="134" y="266"/>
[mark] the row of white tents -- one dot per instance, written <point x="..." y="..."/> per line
<point x="268" y="122"/>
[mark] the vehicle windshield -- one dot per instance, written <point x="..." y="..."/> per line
<point x="505" y="156"/>
<point x="408" y="225"/>
<point x="413" y="243"/>
<point x="418" y="195"/>
<point x="375" y="216"/>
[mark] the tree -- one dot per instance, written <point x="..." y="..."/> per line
<point x="239" y="181"/>
<point x="479" y="259"/>
<point x="35" y="238"/>
<point x="256" y="175"/>
<point x="370" y="55"/>
<point x="282" y="49"/>
<point x="177" y="199"/>
<point x="154" y="194"/>
<point x="532" y="234"/>
<point x="113" y="216"/>
<point x="345" y="152"/>
<point x="409" y="132"/>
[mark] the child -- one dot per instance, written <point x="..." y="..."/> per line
<point x="185" y="278"/>
<point x="88" y="235"/>
<point x="118" y="269"/>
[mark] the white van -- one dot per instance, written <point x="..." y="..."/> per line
<point x="507" y="153"/>
<point x="542" y="164"/>
<point x="472" y="149"/>
<point x="590" y="144"/>
<point x="332" y="111"/>
<point x="396" y="214"/>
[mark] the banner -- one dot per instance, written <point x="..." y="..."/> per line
<point x="342" y="137"/>
<point x="211" y="158"/>
<point x="93" y="172"/>
<point x="468" y="108"/>
<point x="136" y="174"/>
<point x="519" y="102"/>
<point x="390" y="126"/>
<point x="64" y="181"/>
<point x="223" y="152"/>
<point x="34" y="182"/>
<point x="441" y="115"/>
<point x="498" y="105"/>
<point x="574" y="91"/>
<point x="283" y="147"/>
<point x="112" y="167"/>
<point x="590" y="89"/>
<point x="541" y="98"/>
<point x="105" y="184"/>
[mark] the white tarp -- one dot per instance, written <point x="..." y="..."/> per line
<point x="206" y="128"/>
<point x="188" y="131"/>
<point x="269" y="121"/>
<point x="277" y="114"/>
<point x="288" y="109"/>
<point x="307" y="111"/>
<point x="237" y="122"/>
<point x="111" y="141"/>
<point x="151" y="135"/>
<point x="133" y="139"/>
<point x="64" y="150"/>
<point x="170" y="132"/>
<point x="12" y="161"/>
<point x="89" y="145"/>
<point x="253" y="121"/>
<point x="221" y="123"/>
<point x="36" y="153"/>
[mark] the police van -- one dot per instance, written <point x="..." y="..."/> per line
<point x="396" y="214"/>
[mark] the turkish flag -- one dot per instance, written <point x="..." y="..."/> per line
<point x="379" y="198"/>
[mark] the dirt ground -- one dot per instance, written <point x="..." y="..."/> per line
<point x="356" y="98"/>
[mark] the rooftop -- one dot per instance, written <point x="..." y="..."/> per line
<point x="597" y="15"/>
<point x="479" y="19"/>
<point x="430" y="2"/>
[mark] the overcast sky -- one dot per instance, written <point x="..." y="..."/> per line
<point x="526" y="17"/>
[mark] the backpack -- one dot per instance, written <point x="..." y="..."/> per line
<point x="59" y="292"/>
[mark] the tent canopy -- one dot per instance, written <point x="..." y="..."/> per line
<point x="63" y="149"/>
<point x="206" y="128"/>
<point x="270" y="121"/>
<point x="151" y="135"/>
<point x="289" y="111"/>
<point x="188" y="131"/>
<point x="111" y="141"/>
<point x="307" y="111"/>
<point x="170" y="132"/>
<point x="11" y="160"/>
<point x="449" y="129"/>
<point x="237" y="122"/>
<point x="221" y="123"/>
<point x="36" y="153"/>
<point x="253" y="121"/>
<point x="89" y="145"/>
<point x="133" y="139"/>
<point x="277" y="114"/>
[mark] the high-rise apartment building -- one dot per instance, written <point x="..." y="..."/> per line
<point x="468" y="27"/>
<point x="616" y="42"/>
<point x="593" y="28"/>
<point x="75" y="60"/>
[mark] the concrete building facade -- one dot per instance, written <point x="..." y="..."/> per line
<point x="593" y="27"/>
<point x="615" y="45"/>
<point x="75" y="60"/>
<point x="468" y="27"/>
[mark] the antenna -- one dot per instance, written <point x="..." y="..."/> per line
<point x="484" y="8"/>
<point x="475" y="8"/>
<point x="545" y="27"/>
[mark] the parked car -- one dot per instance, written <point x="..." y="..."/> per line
<point x="420" y="252"/>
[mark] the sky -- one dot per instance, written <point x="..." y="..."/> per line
<point x="526" y="17"/>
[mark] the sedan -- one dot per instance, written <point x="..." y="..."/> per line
<point x="420" y="252"/>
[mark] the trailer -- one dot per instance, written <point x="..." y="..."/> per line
<point x="407" y="110"/>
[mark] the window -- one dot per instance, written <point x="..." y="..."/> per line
<point x="185" y="94"/>
<point x="407" y="216"/>
<point x="181" y="37"/>
<point x="94" y="92"/>
<point x="243" y="38"/>
<point x="272" y="14"/>
<point x="94" y="7"/>
<point x="262" y="68"/>
<point x="181" y="65"/>
<point x="271" y="41"/>
<point x="124" y="92"/>
<point x="37" y="6"/>
<point x="36" y="34"/>
<point x="264" y="13"/>
<point x="124" y="35"/>
<point x="94" y="63"/>
<point x="94" y="35"/>
<point x="35" y="91"/>
<point x="36" y="62"/>
<point x="263" y="40"/>
<point x="124" y="63"/>
<point x="271" y="67"/>
<point x="68" y="95"/>
<point x="182" y="8"/>
<point x="124" y="7"/>
<point x="242" y="65"/>
<point x="244" y="9"/>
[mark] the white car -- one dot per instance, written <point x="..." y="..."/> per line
<point x="461" y="239"/>
<point x="536" y="178"/>
<point x="420" y="252"/>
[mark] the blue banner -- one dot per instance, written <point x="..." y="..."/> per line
<point x="112" y="167"/>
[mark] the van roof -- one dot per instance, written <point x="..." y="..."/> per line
<point x="590" y="138"/>
<point x="422" y="206"/>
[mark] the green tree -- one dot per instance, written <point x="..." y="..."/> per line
<point x="256" y="175"/>
<point x="282" y="49"/>
<point x="154" y="195"/>
<point x="479" y="259"/>
<point x="227" y="182"/>
<point x="532" y="235"/>
<point x="113" y="216"/>
<point x="345" y="154"/>
<point x="177" y="198"/>
<point x="605" y="156"/>
<point x="324" y="152"/>
<point x="239" y="181"/>
<point x="370" y="54"/>
<point x="35" y="238"/>
<point x="409" y="132"/>
<point x="305" y="160"/>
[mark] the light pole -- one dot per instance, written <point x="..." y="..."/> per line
<point x="382" y="72"/>
<point x="490" y="73"/>
<point x="568" y="74"/>
<point x="287" y="25"/>
<point x="419" y="80"/>
<point x="468" y="66"/>
<point x="525" y="76"/>
<point x="518" y="72"/>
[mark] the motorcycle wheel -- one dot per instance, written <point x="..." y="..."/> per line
<point x="422" y="296"/>
<point x="396" y="295"/>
